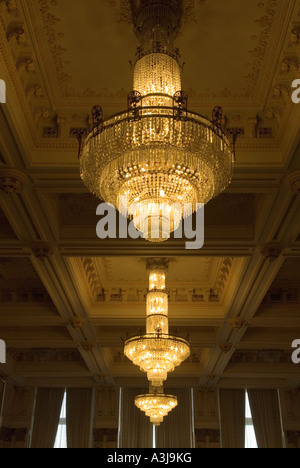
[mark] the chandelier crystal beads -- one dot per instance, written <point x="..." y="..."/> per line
<point x="156" y="406"/>
<point x="157" y="353"/>
<point x="157" y="158"/>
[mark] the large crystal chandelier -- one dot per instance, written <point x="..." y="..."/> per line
<point x="156" y="406"/>
<point x="157" y="160"/>
<point x="157" y="353"/>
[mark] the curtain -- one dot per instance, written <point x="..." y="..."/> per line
<point x="2" y="398"/>
<point x="266" y="418"/>
<point x="46" y="418"/>
<point x="232" y="416"/>
<point x="79" y="417"/>
<point x="135" y="430"/>
<point x="177" y="430"/>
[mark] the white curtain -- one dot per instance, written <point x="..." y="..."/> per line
<point x="46" y="418"/>
<point x="266" y="416"/>
<point x="79" y="417"/>
<point x="135" y="430"/>
<point x="177" y="430"/>
<point x="232" y="416"/>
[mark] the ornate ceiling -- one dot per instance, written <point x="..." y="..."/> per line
<point x="243" y="57"/>
<point x="67" y="299"/>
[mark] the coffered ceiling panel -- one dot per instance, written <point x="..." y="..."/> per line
<point x="235" y="42"/>
<point x="6" y="231"/>
<point x="18" y="271"/>
<point x="289" y="274"/>
<point x="231" y="216"/>
<point x="203" y="272"/>
<point x="81" y="65"/>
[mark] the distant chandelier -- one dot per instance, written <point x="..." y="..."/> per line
<point x="157" y="160"/>
<point x="156" y="406"/>
<point x="157" y="353"/>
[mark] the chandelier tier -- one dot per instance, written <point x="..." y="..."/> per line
<point x="157" y="353"/>
<point x="156" y="406"/>
<point x="157" y="160"/>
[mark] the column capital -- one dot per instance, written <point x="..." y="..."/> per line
<point x="11" y="180"/>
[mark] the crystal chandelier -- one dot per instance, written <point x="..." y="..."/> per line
<point x="157" y="160"/>
<point x="157" y="353"/>
<point x="156" y="406"/>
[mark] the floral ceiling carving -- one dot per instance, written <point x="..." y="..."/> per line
<point x="62" y="75"/>
<point x="106" y="284"/>
<point x="54" y="26"/>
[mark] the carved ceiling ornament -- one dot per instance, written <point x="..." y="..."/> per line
<point x="266" y="16"/>
<point x="157" y="263"/>
<point x="77" y="323"/>
<point x="223" y="276"/>
<point x="90" y="269"/>
<point x="102" y="275"/>
<point x="271" y="356"/>
<point x="42" y="250"/>
<point x="225" y="347"/>
<point x="24" y="296"/>
<point x="125" y="13"/>
<point x="236" y="323"/>
<point x="11" y="7"/>
<point x="44" y="355"/>
<point x="293" y="182"/>
<point x="271" y="251"/>
<point x="88" y="346"/>
<point x="16" y="33"/>
<point x="265" y="23"/>
<point x="261" y="356"/>
<point x="11" y="180"/>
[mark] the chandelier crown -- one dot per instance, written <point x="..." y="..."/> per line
<point x="156" y="22"/>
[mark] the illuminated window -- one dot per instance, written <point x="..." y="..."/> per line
<point x="61" y="435"/>
<point x="250" y="437"/>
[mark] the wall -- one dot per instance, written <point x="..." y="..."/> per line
<point x="290" y="408"/>
<point x="207" y="426"/>
<point x="106" y="421"/>
<point x="17" y="417"/>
